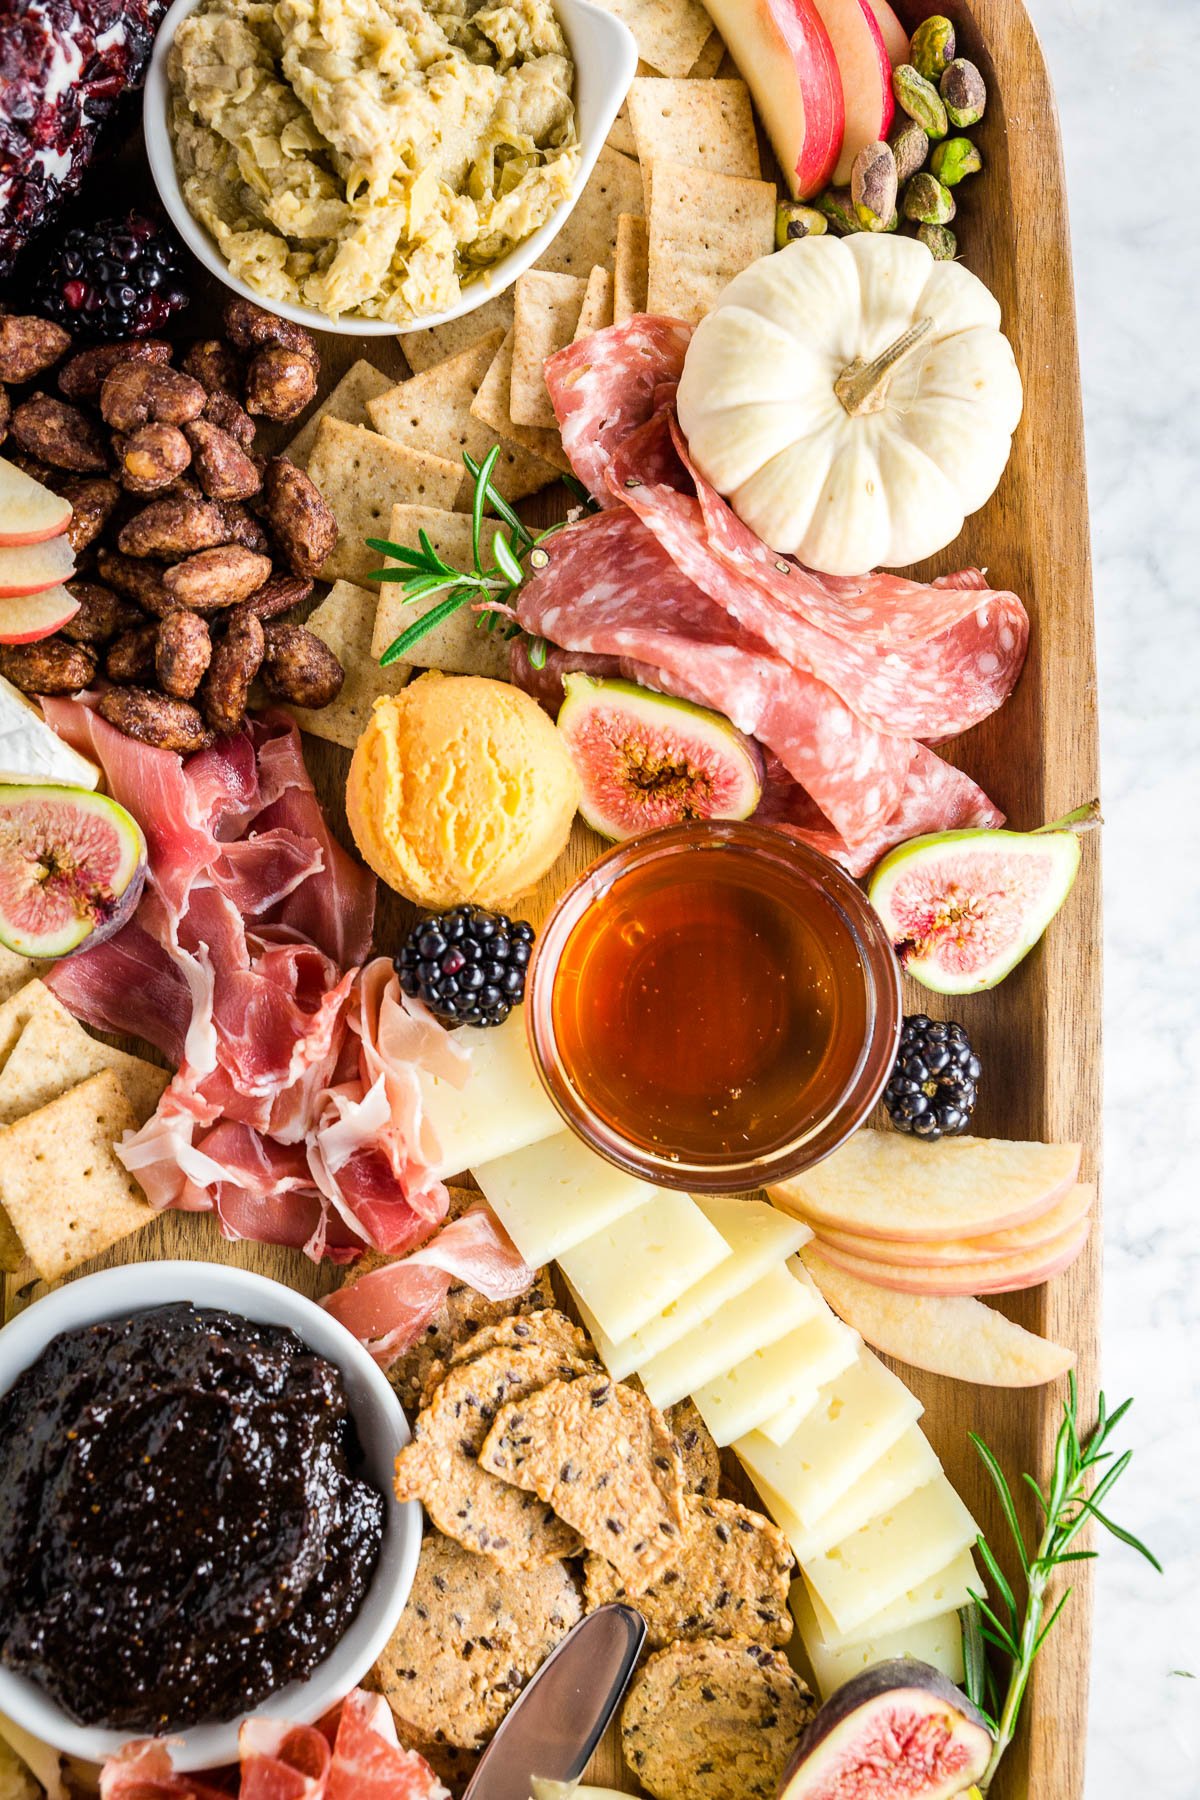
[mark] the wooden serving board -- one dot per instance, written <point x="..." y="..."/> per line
<point x="1038" y="1033"/>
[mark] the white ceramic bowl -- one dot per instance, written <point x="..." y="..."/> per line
<point x="605" y="57"/>
<point x="383" y="1431"/>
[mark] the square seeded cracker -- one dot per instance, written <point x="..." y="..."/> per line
<point x="348" y="401"/>
<point x="61" y="1184"/>
<point x="596" y="313"/>
<point x="345" y="620"/>
<point x="457" y="646"/>
<point x="432" y="412"/>
<point x="16" y="971"/>
<point x="54" y="1053"/>
<point x="491" y="404"/>
<point x="704" y="230"/>
<point x="362" y="476"/>
<point x="590" y="231"/>
<point x="547" y="312"/>
<point x="701" y="124"/>
<point x="670" y="34"/>
<point x="422" y="349"/>
<point x="631" y="267"/>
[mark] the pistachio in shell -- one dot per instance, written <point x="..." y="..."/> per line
<point x="926" y="201"/>
<point x="794" y="221"/>
<point x="920" y="100"/>
<point x="932" y="46"/>
<point x="940" y="241"/>
<point x="837" y="205"/>
<point x="963" y="93"/>
<point x="874" y="186"/>
<point x="953" y="159"/>
<point x="909" y="143"/>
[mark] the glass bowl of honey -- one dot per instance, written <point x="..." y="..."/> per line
<point x="714" y="1006"/>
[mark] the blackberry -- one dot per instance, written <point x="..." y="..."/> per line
<point x="121" y="278"/>
<point x="934" y="1085"/>
<point x="468" y="965"/>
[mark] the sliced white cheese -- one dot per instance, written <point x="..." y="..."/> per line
<point x="786" y="1374"/>
<point x="859" y="1416"/>
<point x="759" y="1236"/>
<point x="31" y="752"/>
<point x="765" y="1312"/>
<point x="937" y="1641"/>
<point x="501" y="1106"/>
<point x="891" y="1554"/>
<point x="551" y="1195"/>
<point x="907" y="1466"/>
<point x="638" y="1265"/>
<point x="949" y="1589"/>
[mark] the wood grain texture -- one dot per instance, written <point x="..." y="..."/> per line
<point x="1038" y="1033"/>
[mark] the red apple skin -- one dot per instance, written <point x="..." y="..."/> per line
<point x="895" y="38"/>
<point x="865" y="72"/>
<point x="10" y="539"/>
<point x="781" y="48"/>
<point x="953" y="1252"/>
<point x="32" y="568"/>
<point x="21" y="496"/>
<point x="33" y="616"/>
<point x="1007" y="1275"/>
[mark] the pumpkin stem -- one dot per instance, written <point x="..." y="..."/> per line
<point x="862" y="387"/>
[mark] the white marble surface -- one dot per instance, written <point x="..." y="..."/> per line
<point x="1125" y="77"/>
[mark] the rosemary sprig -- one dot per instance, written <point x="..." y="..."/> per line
<point x="1015" y="1634"/>
<point x="423" y="573"/>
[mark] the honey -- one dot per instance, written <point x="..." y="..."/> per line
<point x="711" y="1006"/>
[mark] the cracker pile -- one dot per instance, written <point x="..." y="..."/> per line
<point x="65" y="1100"/>
<point x="675" y="207"/>
<point x="526" y="1456"/>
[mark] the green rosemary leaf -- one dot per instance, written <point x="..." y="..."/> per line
<point x="417" y="630"/>
<point x="483" y="478"/>
<point x="998" y="1579"/>
<point x="392" y="575"/>
<point x="537" y="652"/>
<point x="503" y="509"/>
<point x="1037" y="1493"/>
<point x="1070" y="1556"/>
<point x="506" y="562"/>
<point x="435" y="561"/>
<point x="398" y="552"/>
<point x="1044" y="1633"/>
<point x="975" y="1662"/>
<point x="1005" y="1493"/>
<point x="577" y="490"/>
<point x="1003" y="1636"/>
<point x="1118" y="1531"/>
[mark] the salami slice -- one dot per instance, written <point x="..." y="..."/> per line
<point x="932" y="689"/>
<point x="936" y="797"/>
<point x="604" y="387"/>
<point x="881" y="609"/>
<point x="610" y="589"/>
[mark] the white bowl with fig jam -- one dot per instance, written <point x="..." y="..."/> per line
<point x="714" y="1007"/>
<point x="262" y="1387"/>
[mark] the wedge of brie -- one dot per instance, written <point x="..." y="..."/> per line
<point x="31" y="752"/>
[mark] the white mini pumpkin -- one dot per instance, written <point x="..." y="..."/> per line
<point x="853" y="398"/>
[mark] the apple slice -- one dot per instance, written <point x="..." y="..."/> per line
<point x="948" y="1335"/>
<point x="895" y="38"/>
<point x="1074" y="1205"/>
<point x="866" y="77"/>
<point x="28" y="617"/>
<point x="882" y="1184"/>
<point x="784" y="55"/>
<point x="29" y="511"/>
<point x="31" y="568"/>
<point x="1000" y="1275"/>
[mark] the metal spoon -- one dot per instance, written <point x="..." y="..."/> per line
<point x="551" y="1732"/>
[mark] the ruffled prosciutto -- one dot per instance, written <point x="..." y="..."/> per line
<point x="356" y="1755"/>
<point x="295" y="1111"/>
<point x="389" y="1308"/>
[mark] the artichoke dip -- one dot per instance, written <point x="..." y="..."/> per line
<point x="371" y="156"/>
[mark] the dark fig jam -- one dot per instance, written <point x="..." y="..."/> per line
<point x="183" y="1527"/>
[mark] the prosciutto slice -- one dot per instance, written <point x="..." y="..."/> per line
<point x="356" y="1755"/>
<point x="388" y="1308"/>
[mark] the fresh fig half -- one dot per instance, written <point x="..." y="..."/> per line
<point x="72" y="865"/>
<point x="963" y="907"/>
<point x="898" y="1729"/>
<point x="646" y="760"/>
